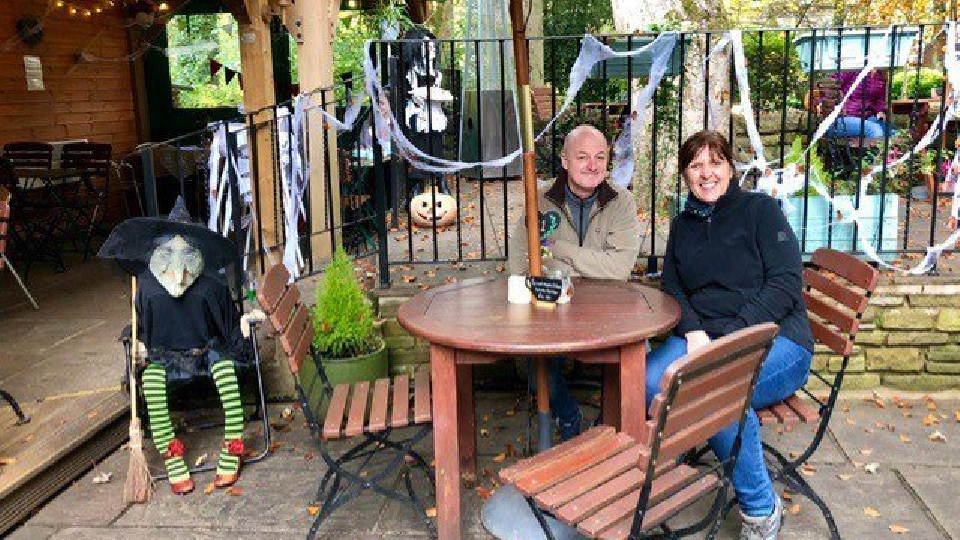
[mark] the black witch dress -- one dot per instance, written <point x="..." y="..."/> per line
<point x="189" y="334"/>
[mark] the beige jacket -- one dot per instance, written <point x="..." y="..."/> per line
<point x="610" y="246"/>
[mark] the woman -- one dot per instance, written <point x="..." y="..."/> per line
<point x="732" y="261"/>
<point x="865" y="111"/>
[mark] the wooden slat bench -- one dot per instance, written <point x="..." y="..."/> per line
<point x="838" y="288"/>
<point x="366" y="410"/>
<point x="610" y="486"/>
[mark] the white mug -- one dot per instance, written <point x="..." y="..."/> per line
<point x="517" y="291"/>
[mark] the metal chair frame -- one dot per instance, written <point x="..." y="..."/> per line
<point x="261" y="405"/>
<point x="329" y="491"/>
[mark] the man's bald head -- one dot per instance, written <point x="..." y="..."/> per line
<point x="584" y="157"/>
<point x="577" y="133"/>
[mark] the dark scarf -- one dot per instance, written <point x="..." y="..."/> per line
<point x="696" y="207"/>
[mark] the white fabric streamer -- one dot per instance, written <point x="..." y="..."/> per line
<point x="591" y="52"/>
<point x="621" y="172"/>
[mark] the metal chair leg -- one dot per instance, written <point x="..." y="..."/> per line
<point x="19" y="281"/>
<point x="22" y="418"/>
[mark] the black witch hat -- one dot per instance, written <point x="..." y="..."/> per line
<point x="133" y="241"/>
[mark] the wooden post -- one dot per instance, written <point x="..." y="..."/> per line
<point x="313" y="23"/>
<point x="256" y="69"/>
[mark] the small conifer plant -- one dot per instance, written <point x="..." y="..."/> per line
<point x="342" y="316"/>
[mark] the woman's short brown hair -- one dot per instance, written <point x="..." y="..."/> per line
<point x="714" y="140"/>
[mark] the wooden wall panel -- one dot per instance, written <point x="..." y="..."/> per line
<point x="80" y="99"/>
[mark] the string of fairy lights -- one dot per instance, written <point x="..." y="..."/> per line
<point x="75" y="10"/>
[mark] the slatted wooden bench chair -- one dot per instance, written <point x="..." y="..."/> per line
<point x="838" y="287"/>
<point x="610" y="486"/>
<point x="367" y="410"/>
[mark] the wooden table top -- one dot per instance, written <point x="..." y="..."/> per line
<point x="476" y="316"/>
<point x="27" y="172"/>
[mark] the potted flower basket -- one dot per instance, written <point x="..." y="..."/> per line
<point x="349" y="344"/>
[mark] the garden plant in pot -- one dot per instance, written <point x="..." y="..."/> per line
<point x="347" y="339"/>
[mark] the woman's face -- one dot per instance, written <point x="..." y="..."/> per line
<point x="708" y="175"/>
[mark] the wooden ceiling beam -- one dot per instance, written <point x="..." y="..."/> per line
<point x="239" y="10"/>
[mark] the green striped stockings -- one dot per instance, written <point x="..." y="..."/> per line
<point x="155" y="393"/>
<point x="225" y="377"/>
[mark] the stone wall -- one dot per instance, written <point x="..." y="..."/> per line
<point x="909" y="337"/>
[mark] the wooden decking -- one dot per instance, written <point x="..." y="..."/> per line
<point x="64" y="366"/>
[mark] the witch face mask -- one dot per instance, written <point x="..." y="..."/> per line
<point x="176" y="265"/>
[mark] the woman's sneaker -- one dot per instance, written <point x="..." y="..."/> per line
<point x="763" y="527"/>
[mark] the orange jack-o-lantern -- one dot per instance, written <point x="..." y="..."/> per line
<point x="424" y="213"/>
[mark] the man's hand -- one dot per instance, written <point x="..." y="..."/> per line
<point x="254" y="316"/>
<point x="696" y="339"/>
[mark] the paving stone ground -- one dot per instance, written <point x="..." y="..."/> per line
<point x="913" y="486"/>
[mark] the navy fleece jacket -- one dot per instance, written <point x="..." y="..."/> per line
<point x="738" y="267"/>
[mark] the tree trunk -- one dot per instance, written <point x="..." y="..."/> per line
<point x="631" y="16"/>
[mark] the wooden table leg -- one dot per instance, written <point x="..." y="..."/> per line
<point x="633" y="389"/>
<point x="443" y="375"/>
<point x="611" y="395"/>
<point x="468" y="424"/>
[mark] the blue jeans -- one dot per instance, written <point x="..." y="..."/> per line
<point x="850" y="126"/>
<point x="783" y="371"/>
<point x="562" y="405"/>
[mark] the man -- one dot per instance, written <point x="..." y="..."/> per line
<point x="592" y="231"/>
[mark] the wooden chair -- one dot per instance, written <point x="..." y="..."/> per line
<point x="29" y="155"/>
<point x="609" y="485"/>
<point x="96" y="159"/>
<point x="336" y="412"/>
<point x="838" y="287"/>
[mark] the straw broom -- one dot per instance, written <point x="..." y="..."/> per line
<point x="139" y="486"/>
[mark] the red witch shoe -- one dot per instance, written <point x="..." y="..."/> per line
<point x="234" y="448"/>
<point x="175" y="449"/>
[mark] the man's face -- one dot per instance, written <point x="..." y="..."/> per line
<point x="176" y="265"/>
<point x="585" y="159"/>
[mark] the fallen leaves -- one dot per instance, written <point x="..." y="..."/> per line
<point x="871" y="467"/>
<point x="102" y="477"/>
<point x="794" y="509"/>
<point x="844" y="477"/>
<point x="201" y="459"/>
<point x="313" y="509"/>
<point x="937" y="437"/>
<point x="500" y="457"/>
<point x="930" y="420"/>
<point x="209" y="489"/>
<point x="904" y="438"/>
<point x="897" y="528"/>
<point x="871" y="511"/>
<point x="235" y="491"/>
<point x="431" y="512"/>
<point x="7" y="460"/>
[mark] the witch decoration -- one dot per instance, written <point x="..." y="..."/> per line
<point x="188" y="325"/>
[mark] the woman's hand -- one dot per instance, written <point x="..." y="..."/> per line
<point x="696" y="339"/>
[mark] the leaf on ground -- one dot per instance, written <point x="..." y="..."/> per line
<point x="807" y="469"/>
<point x="936" y="436"/>
<point x="484" y="432"/>
<point x="29" y="438"/>
<point x="866" y="451"/>
<point x="431" y="512"/>
<point x="236" y="491"/>
<point x="931" y="404"/>
<point x="871" y="467"/>
<point x="871" y="511"/>
<point x="313" y="509"/>
<point x="7" y="460"/>
<point x="102" y="477"/>
<point x="201" y="459"/>
<point x="794" y="509"/>
<point x="957" y="416"/>
<point x="499" y="458"/>
<point x="930" y="419"/>
<point x="904" y="438"/>
<point x="844" y="477"/>
<point x="408" y="279"/>
<point x="209" y="489"/>
<point x="850" y="421"/>
<point x="92" y="414"/>
<point x="486" y="418"/>
<point x="897" y="528"/>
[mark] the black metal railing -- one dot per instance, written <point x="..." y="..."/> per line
<point x="367" y="189"/>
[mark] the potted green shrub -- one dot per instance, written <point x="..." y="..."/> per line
<point x="349" y="344"/>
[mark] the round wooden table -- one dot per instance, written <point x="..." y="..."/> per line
<point x="606" y="322"/>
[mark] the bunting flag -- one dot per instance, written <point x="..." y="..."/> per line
<point x="214" y="68"/>
<point x="230" y="74"/>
